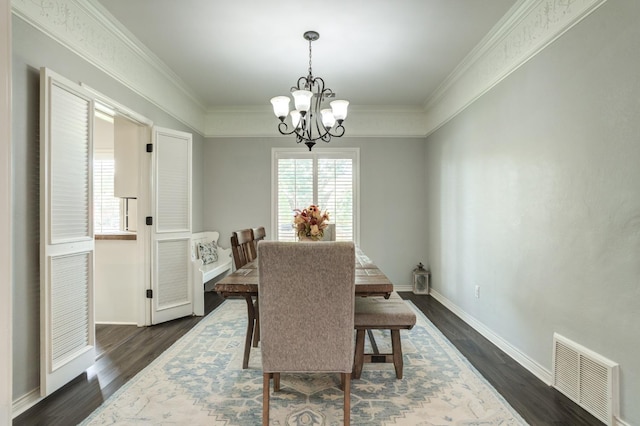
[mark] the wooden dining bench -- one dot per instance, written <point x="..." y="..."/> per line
<point x="377" y="313"/>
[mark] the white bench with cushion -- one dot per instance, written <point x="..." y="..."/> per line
<point x="209" y="261"/>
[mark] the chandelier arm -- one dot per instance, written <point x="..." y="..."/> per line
<point x="304" y="86"/>
<point x="308" y="134"/>
<point x="319" y="83"/>
<point x="327" y="93"/>
<point x="322" y="132"/>
<point x="283" y="129"/>
<point x="326" y="137"/>
<point x="338" y="131"/>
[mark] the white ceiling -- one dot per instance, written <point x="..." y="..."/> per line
<point x="370" y="52"/>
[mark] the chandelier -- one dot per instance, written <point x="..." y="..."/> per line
<point x="309" y="122"/>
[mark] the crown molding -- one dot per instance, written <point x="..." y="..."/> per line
<point x="528" y="27"/>
<point x="363" y="121"/>
<point x="88" y="30"/>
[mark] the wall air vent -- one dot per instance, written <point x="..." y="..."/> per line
<point x="589" y="379"/>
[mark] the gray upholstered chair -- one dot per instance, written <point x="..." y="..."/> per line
<point x="307" y="292"/>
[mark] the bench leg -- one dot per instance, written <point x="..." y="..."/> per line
<point x="359" y="354"/>
<point x="396" y="348"/>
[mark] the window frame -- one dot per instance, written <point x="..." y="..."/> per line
<point x="296" y="153"/>
<point x="105" y="155"/>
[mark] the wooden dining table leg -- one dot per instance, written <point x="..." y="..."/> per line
<point x="256" y="329"/>
<point x="251" y="317"/>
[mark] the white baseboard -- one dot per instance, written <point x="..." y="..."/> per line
<point x="406" y="287"/>
<point x="532" y="366"/>
<point x="25" y="402"/>
<point x="116" y="323"/>
<point x="618" y="422"/>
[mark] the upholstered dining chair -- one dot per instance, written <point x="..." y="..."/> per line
<point x="307" y="292"/>
<point x="243" y="248"/>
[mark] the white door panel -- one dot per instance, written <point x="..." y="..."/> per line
<point x="67" y="331"/>
<point x="171" y="274"/>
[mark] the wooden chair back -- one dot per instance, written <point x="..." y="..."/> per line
<point x="243" y="247"/>
<point x="258" y="234"/>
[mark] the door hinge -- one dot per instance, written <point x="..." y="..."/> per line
<point x="149" y="147"/>
<point x="149" y="294"/>
<point x="149" y="220"/>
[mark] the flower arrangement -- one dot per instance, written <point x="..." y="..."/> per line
<point x="310" y="223"/>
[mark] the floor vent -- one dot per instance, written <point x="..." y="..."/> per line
<point x="586" y="377"/>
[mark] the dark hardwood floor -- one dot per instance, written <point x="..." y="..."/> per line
<point x="125" y="350"/>
<point x="536" y="402"/>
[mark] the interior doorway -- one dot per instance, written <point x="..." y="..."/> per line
<point x="131" y="132"/>
<point x="159" y="179"/>
<point x="120" y="249"/>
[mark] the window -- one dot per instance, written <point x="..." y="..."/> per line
<point x="106" y="207"/>
<point x="327" y="178"/>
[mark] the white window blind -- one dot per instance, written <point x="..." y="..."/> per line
<point x="325" y="178"/>
<point x="106" y="207"/>
<point x="335" y="194"/>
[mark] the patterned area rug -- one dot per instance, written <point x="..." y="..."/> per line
<point x="199" y="381"/>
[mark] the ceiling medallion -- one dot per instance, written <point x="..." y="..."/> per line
<point x="309" y="122"/>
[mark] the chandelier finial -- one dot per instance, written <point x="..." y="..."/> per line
<point x="309" y="121"/>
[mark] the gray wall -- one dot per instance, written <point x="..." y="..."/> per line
<point x="534" y="194"/>
<point x="531" y="193"/>
<point x="237" y="194"/>
<point x="32" y="50"/>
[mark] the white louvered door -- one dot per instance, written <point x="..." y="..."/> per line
<point x="66" y="231"/>
<point x="171" y="272"/>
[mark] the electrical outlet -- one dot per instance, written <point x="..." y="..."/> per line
<point x="477" y="292"/>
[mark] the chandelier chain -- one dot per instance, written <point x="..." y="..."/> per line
<point x="310" y="73"/>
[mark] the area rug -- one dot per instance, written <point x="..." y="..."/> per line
<point x="200" y="381"/>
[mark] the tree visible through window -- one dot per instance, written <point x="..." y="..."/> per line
<point x="325" y="178"/>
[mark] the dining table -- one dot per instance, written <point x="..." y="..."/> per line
<point x="243" y="283"/>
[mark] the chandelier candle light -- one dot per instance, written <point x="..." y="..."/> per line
<point x="309" y="121"/>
